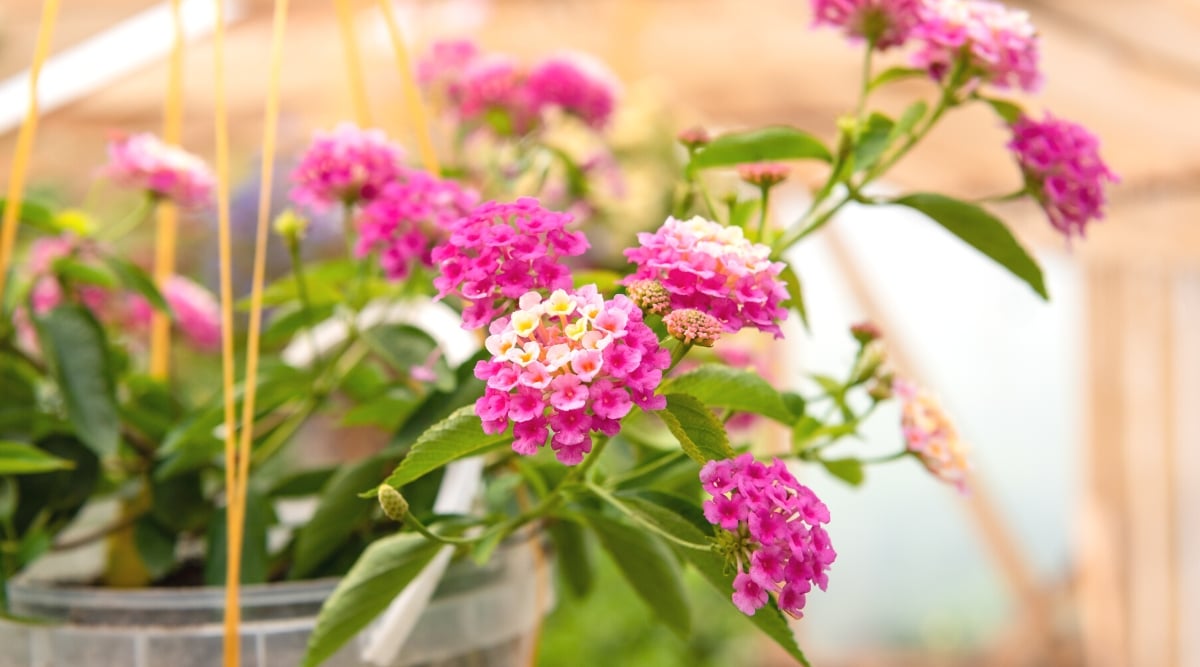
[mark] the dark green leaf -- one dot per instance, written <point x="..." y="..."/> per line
<point x="795" y="293"/>
<point x="848" y="470"/>
<point x="59" y="494"/>
<point x="721" y="386"/>
<point x="795" y="403"/>
<point x="381" y="573"/>
<point x="179" y="503"/>
<point x="8" y="501"/>
<point x="339" y="513"/>
<point x="133" y="278"/>
<point x="78" y="351"/>
<point x="254" y="543"/>
<point x="982" y="231"/>
<point x="570" y="543"/>
<point x="155" y="546"/>
<point x="387" y="411"/>
<point x="667" y="519"/>
<point x="19" y="458"/>
<point x="770" y="143"/>
<point x="699" y="432"/>
<point x="459" y="435"/>
<point x="34" y="214"/>
<point x="872" y="141"/>
<point x="649" y="568"/>
<point x="76" y="272"/>
<point x="303" y="483"/>
<point x="895" y="74"/>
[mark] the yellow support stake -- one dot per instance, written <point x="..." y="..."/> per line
<point x="412" y="93"/>
<point x="354" y="74"/>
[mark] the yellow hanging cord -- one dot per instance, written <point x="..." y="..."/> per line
<point x="20" y="162"/>
<point x="354" y="74"/>
<point x="168" y="214"/>
<point x="221" y="135"/>
<point x="237" y="506"/>
<point x="412" y="93"/>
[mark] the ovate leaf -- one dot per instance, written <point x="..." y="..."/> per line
<point x="79" y="354"/>
<point x="769" y="143"/>
<point x="725" y="387"/>
<point x="982" y="231"/>
<point x="848" y="470"/>
<point x="570" y="543"/>
<point x="895" y="74"/>
<point x="699" y="432"/>
<point x="459" y="435"/>
<point x="874" y="139"/>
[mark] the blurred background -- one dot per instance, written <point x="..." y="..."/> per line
<point x="1080" y="544"/>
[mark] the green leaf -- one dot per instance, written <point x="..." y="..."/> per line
<point x="133" y="278"/>
<point x="57" y="496"/>
<point x="459" y="435"/>
<point x="35" y="214"/>
<point x="381" y="573"/>
<point x="255" y="558"/>
<point x="302" y="483"/>
<point x="79" y="356"/>
<point x="1008" y="111"/>
<point x="892" y="74"/>
<point x="769" y="143"/>
<point x="667" y="519"/>
<point x="743" y="211"/>
<point x="405" y="347"/>
<point x="77" y="272"/>
<point x="605" y="281"/>
<point x="19" y="458"/>
<point x="155" y="547"/>
<point x="322" y="281"/>
<point x="291" y="318"/>
<point x="849" y="470"/>
<point x="982" y="231"/>
<point x="737" y="389"/>
<point x="795" y="293"/>
<point x="339" y="513"/>
<point x="570" y="544"/>
<point x="649" y="568"/>
<point x="699" y="432"/>
<point x="908" y="120"/>
<point x="387" y="411"/>
<point x="872" y="141"/>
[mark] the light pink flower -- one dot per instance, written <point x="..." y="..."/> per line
<point x="693" y="327"/>
<point x="346" y="166"/>
<point x="580" y="392"/>
<point x="496" y="84"/>
<point x="712" y="268"/>
<point x="763" y="174"/>
<point x="775" y="537"/>
<point x="143" y="162"/>
<point x="887" y="22"/>
<point x="577" y="84"/>
<point x="1062" y="165"/>
<point x="1000" y="44"/>
<point x="931" y="436"/>
<point x="441" y="69"/>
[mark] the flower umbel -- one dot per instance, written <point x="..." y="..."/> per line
<point x="499" y="252"/>
<point x="886" y="23"/>
<point x="1000" y="44"/>
<point x="578" y="85"/>
<point x="715" y="269"/>
<point x="144" y="162"/>
<point x="348" y="166"/>
<point x="693" y="327"/>
<point x="567" y="366"/>
<point x="775" y="535"/>
<point x="931" y="436"/>
<point x="1062" y="167"/>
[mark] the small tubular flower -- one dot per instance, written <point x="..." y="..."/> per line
<point x="578" y="84"/>
<point x="346" y="166"/>
<point x="886" y="23"/>
<point x="553" y="385"/>
<point x="772" y="532"/>
<point x="144" y="162"/>
<point x="650" y="296"/>
<point x="931" y="436"/>
<point x="499" y="252"/>
<point x="714" y="269"/>
<point x="693" y="327"/>
<point x="1062" y="166"/>
<point x="1000" y="44"/>
<point x="409" y="217"/>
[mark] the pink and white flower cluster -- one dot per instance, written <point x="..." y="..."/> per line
<point x="1000" y="44"/>
<point x="408" y="217"/>
<point x="715" y="269"/>
<point x="887" y="22"/>
<point x="499" y="252"/>
<point x="931" y="436"/>
<point x="144" y="162"/>
<point x="475" y="84"/>
<point x="346" y="166"/>
<point x="776" y="535"/>
<point x="566" y="366"/>
<point x="1062" y="165"/>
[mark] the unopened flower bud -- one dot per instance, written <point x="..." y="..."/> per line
<point x="393" y="503"/>
<point x="76" y="221"/>
<point x="882" y="387"/>
<point x="650" y="296"/>
<point x="763" y="174"/>
<point x="291" y="225"/>
<point x="693" y="327"/>
<point x="872" y="357"/>
<point x="865" y="332"/>
<point x="693" y="137"/>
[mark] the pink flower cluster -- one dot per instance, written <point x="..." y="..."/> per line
<point x="476" y="83"/>
<point x="1000" y="43"/>
<point x="194" y="309"/>
<point x="714" y="269"/>
<point x="931" y="436"/>
<point x="408" y="217"/>
<point x="346" y="166"/>
<point x="47" y="291"/>
<point x="1061" y="163"/>
<point x="568" y="365"/>
<point x="775" y="531"/>
<point x="499" y="252"/>
<point x="144" y="162"/>
<point x="887" y="22"/>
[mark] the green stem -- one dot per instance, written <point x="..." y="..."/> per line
<point x="416" y="525"/>
<point x="764" y="206"/>
<point x="293" y="246"/>
<point x="885" y="459"/>
<point x="703" y="189"/>
<point x="131" y="221"/>
<point x="615" y="502"/>
<point x="865" y="91"/>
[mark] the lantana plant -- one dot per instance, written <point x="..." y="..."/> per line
<point x="609" y="401"/>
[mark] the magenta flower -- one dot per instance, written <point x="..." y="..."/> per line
<point x="346" y="166"/>
<point x="714" y="269"/>
<point x="195" y="311"/>
<point x="143" y="162"/>
<point x="775" y="536"/>
<point x="1063" y="169"/>
<point x="931" y="436"/>
<point x="577" y="84"/>
<point x="1000" y="44"/>
<point x="887" y="22"/>
<point x="408" y="218"/>
<point x="441" y="69"/>
<point x="496" y="83"/>
<point x="567" y="366"/>
<point x="499" y="252"/>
